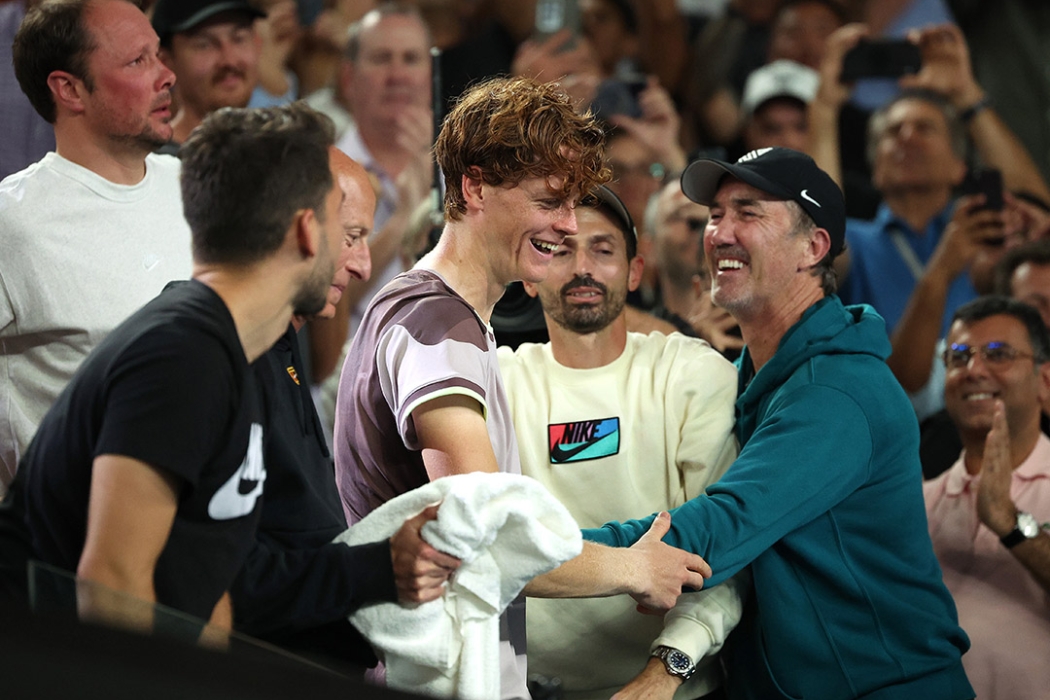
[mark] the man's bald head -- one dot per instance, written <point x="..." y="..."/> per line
<point x="356" y="218"/>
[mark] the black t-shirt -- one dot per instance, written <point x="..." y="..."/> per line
<point x="170" y="387"/>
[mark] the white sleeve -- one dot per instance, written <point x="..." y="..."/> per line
<point x="704" y="393"/>
<point x="699" y="624"/>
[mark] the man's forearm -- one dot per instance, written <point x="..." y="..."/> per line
<point x="1000" y="148"/>
<point x="597" y="572"/>
<point x="916" y="335"/>
<point x="652" y="572"/>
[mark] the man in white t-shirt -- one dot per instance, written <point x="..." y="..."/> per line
<point x="615" y="424"/>
<point x="94" y="230"/>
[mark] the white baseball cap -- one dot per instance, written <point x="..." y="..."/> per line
<point x="781" y="78"/>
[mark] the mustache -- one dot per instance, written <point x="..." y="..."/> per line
<point x="585" y="281"/>
<point x="163" y="99"/>
<point x="732" y="251"/>
<point x="229" y="70"/>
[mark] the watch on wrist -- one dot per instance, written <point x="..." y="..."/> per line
<point x="1027" y="529"/>
<point x="676" y="662"/>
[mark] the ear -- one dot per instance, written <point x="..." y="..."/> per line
<point x="1044" y="385"/>
<point x="306" y="230"/>
<point x="473" y="191"/>
<point x="531" y="289"/>
<point x="818" y="247"/>
<point x="635" y="267"/>
<point x="67" y="90"/>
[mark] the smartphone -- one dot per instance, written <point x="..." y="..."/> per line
<point x="554" y="15"/>
<point x="309" y="10"/>
<point x="616" y="97"/>
<point x="986" y="181"/>
<point x="889" y="58"/>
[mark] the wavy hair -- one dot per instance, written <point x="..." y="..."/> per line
<point x="507" y="130"/>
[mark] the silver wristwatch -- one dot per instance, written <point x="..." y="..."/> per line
<point x="1027" y="529"/>
<point x="676" y="662"/>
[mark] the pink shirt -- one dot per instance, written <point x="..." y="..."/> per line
<point x="1002" y="608"/>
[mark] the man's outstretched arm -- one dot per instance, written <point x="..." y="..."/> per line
<point x="651" y="572"/>
<point x="452" y="432"/>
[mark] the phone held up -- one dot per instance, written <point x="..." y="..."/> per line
<point x="554" y="15"/>
<point x="619" y="96"/>
<point x="986" y="181"/>
<point x="884" y="58"/>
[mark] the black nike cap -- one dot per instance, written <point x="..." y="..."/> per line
<point x="782" y="173"/>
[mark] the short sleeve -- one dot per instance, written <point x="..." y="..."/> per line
<point x="439" y="349"/>
<point x="170" y="401"/>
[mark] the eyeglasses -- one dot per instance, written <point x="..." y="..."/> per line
<point x="654" y="171"/>
<point x="696" y="224"/>
<point x="994" y="354"/>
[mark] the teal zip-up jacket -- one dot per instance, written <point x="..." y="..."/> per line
<point x="825" y="504"/>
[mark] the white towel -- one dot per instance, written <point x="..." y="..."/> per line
<point x="506" y="529"/>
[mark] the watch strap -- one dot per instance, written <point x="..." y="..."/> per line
<point x="1013" y="538"/>
<point x="1027" y="528"/>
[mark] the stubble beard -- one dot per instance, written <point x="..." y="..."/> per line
<point x="313" y="294"/>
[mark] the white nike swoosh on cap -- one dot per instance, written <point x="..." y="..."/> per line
<point x="806" y="197"/>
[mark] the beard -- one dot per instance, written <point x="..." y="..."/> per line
<point x="313" y="294"/>
<point x="583" y="318"/>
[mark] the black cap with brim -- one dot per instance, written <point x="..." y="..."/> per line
<point x="784" y="174"/>
<point x="175" y="16"/>
<point x="607" y="198"/>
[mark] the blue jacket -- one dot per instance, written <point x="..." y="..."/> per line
<point x="825" y="504"/>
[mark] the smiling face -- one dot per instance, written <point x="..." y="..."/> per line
<point x="130" y="99"/>
<point x="217" y="63"/>
<point x="525" y="223"/>
<point x="590" y="276"/>
<point x="753" y="258"/>
<point x="970" y="391"/>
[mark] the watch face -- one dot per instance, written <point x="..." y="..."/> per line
<point x="679" y="661"/>
<point x="1028" y="525"/>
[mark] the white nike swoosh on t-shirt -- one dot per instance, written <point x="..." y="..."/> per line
<point x="237" y="497"/>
